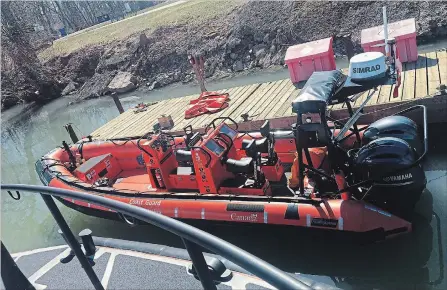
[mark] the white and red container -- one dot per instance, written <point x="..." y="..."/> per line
<point x="404" y="32"/>
<point x="303" y="59"/>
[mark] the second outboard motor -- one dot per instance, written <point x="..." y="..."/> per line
<point x="395" y="126"/>
<point x="397" y="181"/>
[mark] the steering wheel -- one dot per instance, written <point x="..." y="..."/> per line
<point x="212" y="123"/>
<point x="165" y="140"/>
<point x="146" y="136"/>
<point x="188" y="130"/>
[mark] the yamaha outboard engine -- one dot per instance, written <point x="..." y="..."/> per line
<point x="395" y="126"/>
<point x="398" y="180"/>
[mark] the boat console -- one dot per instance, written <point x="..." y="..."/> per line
<point x="163" y="165"/>
<point x="221" y="169"/>
<point x="211" y="163"/>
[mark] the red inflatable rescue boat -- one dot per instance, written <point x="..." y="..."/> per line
<point x="321" y="173"/>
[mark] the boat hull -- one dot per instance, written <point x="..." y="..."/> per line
<point x="283" y="208"/>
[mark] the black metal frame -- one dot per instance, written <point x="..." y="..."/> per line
<point x="192" y="237"/>
<point x="302" y="166"/>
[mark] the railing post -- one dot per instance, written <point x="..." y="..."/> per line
<point x="118" y="103"/>
<point x="72" y="241"/>
<point x="12" y="276"/>
<point x="71" y="132"/>
<point x="356" y="129"/>
<point x="200" y="265"/>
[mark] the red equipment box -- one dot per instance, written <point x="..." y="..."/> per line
<point x="303" y="59"/>
<point x="404" y="32"/>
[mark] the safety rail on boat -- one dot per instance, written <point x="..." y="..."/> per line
<point x="192" y="237"/>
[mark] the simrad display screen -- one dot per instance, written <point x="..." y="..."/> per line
<point x="214" y="147"/>
<point x="228" y="131"/>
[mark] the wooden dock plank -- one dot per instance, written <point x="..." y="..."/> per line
<point x="276" y="100"/>
<point x="131" y="126"/>
<point x="240" y="102"/>
<point x="134" y="118"/>
<point x="361" y="99"/>
<point x="290" y="88"/>
<point x="375" y="97"/>
<point x="410" y="80"/>
<point x="385" y="94"/>
<point x="286" y="107"/>
<point x="252" y="99"/>
<point x="146" y="119"/>
<point x="421" y="86"/>
<point x="256" y="97"/>
<point x="122" y="118"/>
<point x="442" y="58"/>
<point x="123" y="121"/>
<point x="98" y="132"/>
<point x="272" y="100"/>
<point x="264" y="99"/>
<point x="403" y="74"/>
<point x="432" y="72"/>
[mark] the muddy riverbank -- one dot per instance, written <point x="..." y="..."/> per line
<point x="248" y="37"/>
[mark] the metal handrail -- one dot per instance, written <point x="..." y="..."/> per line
<point x="191" y="236"/>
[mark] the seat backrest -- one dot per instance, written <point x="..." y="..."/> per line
<point x="265" y="129"/>
<point x="318" y="91"/>
<point x="183" y="156"/>
<point x="250" y="149"/>
<point x="193" y="140"/>
<point x="261" y="145"/>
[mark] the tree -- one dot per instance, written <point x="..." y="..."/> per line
<point x="16" y="45"/>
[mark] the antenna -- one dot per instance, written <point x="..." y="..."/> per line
<point x="385" y="31"/>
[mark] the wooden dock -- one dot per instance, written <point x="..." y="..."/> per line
<point x="272" y="100"/>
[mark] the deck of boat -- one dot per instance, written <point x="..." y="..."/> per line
<point x="272" y="100"/>
<point x="121" y="264"/>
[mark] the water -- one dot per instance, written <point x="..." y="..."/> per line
<point x="28" y="133"/>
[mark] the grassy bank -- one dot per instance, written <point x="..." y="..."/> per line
<point x="188" y="12"/>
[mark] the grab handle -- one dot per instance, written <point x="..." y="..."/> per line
<point x="206" y="152"/>
<point x="424" y="117"/>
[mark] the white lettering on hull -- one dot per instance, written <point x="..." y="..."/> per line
<point x="244" y="218"/>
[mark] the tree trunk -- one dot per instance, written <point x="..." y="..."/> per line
<point x="44" y="15"/>
<point x="63" y="17"/>
<point x="17" y="46"/>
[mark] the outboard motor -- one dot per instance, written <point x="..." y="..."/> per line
<point x="397" y="181"/>
<point x="395" y="126"/>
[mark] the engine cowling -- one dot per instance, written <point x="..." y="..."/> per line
<point x="395" y="126"/>
<point x="398" y="181"/>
